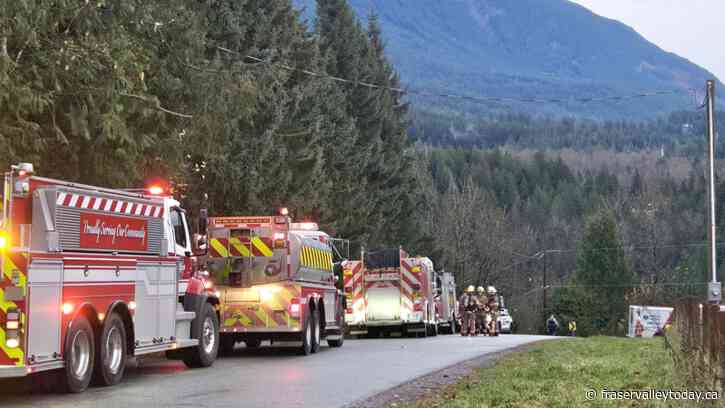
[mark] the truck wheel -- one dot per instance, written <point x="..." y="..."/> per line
<point x="315" y="331"/>
<point x="307" y="334"/>
<point x="226" y="344"/>
<point x="205" y="328"/>
<point x="253" y="343"/>
<point x="338" y="342"/>
<point x="111" y="361"/>
<point x="79" y="351"/>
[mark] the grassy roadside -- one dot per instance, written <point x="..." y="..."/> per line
<point x="559" y="373"/>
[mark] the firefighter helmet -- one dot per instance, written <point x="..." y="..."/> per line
<point x="491" y="290"/>
<point x="470" y="289"/>
<point x="480" y="289"/>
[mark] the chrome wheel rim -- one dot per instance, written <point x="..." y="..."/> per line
<point x="114" y="350"/>
<point x="317" y="333"/>
<point x="80" y="355"/>
<point x="207" y="335"/>
<point x="308" y="334"/>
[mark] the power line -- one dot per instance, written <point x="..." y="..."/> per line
<point x="484" y="99"/>
<point x="625" y="248"/>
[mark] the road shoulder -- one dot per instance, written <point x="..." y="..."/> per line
<point x="428" y="385"/>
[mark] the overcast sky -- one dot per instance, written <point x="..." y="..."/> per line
<point x="693" y="29"/>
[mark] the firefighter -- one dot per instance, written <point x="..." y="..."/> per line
<point x="481" y="312"/>
<point x="552" y="325"/>
<point x="493" y="306"/>
<point x="572" y="328"/>
<point x="468" y="306"/>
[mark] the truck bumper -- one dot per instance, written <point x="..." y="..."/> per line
<point x="13" y="371"/>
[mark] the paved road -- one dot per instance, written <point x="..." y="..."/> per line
<point x="278" y="377"/>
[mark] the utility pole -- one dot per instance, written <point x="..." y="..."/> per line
<point x="714" y="292"/>
<point x="544" y="302"/>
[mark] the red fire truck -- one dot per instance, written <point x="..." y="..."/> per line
<point x="91" y="276"/>
<point x="276" y="282"/>
<point x="390" y="291"/>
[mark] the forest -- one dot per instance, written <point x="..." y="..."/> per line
<point x="575" y="217"/>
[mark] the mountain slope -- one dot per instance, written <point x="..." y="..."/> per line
<point x="527" y="49"/>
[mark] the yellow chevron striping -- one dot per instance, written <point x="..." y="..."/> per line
<point x="219" y="247"/>
<point x="7" y="268"/>
<point x="262" y="247"/>
<point x="264" y="318"/>
<point x="237" y="244"/>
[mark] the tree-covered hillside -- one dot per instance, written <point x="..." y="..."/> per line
<point x="117" y="92"/>
<point x="527" y="49"/>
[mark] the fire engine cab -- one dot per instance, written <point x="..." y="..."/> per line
<point x="93" y="275"/>
<point x="276" y="282"/>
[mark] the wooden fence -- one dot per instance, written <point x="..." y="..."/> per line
<point x="697" y="342"/>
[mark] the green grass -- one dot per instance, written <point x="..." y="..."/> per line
<point x="558" y="374"/>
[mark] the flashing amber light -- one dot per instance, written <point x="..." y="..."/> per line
<point x="156" y="190"/>
<point x="4" y="240"/>
<point x="283" y="211"/>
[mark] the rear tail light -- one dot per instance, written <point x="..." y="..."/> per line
<point x="12" y="326"/>
<point x="4" y="240"/>
<point x="294" y="308"/>
<point x="348" y="310"/>
<point x="418" y="306"/>
<point x="348" y="289"/>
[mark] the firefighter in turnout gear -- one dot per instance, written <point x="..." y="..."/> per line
<point x="481" y="312"/>
<point x="492" y="305"/>
<point x="469" y="304"/>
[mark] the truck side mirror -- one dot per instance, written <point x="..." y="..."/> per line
<point x="199" y="245"/>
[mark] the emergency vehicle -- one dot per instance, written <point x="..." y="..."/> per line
<point x="93" y="275"/>
<point x="388" y="290"/>
<point x="276" y="282"/>
<point x="446" y="303"/>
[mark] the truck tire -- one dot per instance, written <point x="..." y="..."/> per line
<point x="226" y="343"/>
<point x="338" y="342"/>
<point x="205" y="328"/>
<point x="79" y="354"/>
<point x="316" y="330"/>
<point x="306" y="347"/>
<point x="111" y="349"/>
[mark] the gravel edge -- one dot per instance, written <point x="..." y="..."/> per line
<point x="428" y="385"/>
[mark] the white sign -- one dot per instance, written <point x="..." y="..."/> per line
<point x="648" y="321"/>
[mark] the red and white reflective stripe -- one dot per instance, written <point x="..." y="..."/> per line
<point x="108" y="205"/>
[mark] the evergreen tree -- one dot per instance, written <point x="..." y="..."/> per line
<point x="603" y="272"/>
